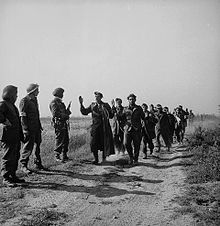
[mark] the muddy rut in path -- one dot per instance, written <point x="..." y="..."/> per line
<point x="112" y="194"/>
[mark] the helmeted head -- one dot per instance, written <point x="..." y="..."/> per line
<point x="10" y="93"/>
<point x="33" y="88"/>
<point x="58" y="92"/>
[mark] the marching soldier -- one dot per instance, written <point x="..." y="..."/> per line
<point x="118" y="125"/>
<point x="162" y="128"/>
<point x="148" y="130"/>
<point x="60" y="122"/>
<point x="132" y="130"/>
<point x="11" y="137"/>
<point x="30" y="121"/>
<point x="172" y="122"/>
<point x="101" y="132"/>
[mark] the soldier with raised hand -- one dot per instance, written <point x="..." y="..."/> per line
<point x="30" y="121"/>
<point x="132" y="130"/>
<point x="101" y="132"/>
<point x="60" y="121"/>
<point x="11" y="137"/>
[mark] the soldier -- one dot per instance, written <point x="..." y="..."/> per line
<point x="118" y="125"/>
<point x="30" y="121"/>
<point x="152" y="109"/>
<point x="180" y="124"/>
<point x="148" y="130"/>
<point x="11" y="137"/>
<point x="132" y="130"/>
<point x="172" y="122"/>
<point x="60" y="122"/>
<point x="101" y="133"/>
<point x="162" y="128"/>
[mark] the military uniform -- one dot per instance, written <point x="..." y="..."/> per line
<point x="60" y="119"/>
<point x="148" y="132"/>
<point x="132" y="130"/>
<point x="30" y="121"/>
<point x="11" y="138"/>
<point x="118" y="127"/>
<point x="162" y="129"/>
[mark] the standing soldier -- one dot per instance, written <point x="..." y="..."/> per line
<point x="132" y="130"/>
<point x="162" y="128"/>
<point x="60" y="120"/>
<point x="180" y="124"/>
<point x="118" y="125"/>
<point x="101" y="132"/>
<point x="11" y="137"/>
<point x="148" y="130"/>
<point x="30" y="121"/>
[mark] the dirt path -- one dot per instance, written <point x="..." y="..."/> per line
<point x="110" y="194"/>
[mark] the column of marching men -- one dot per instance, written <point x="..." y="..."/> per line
<point x="132" y="125"/>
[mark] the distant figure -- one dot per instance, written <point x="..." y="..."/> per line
<point x="180" y="125"/>
<point x="152" y="109"/>
<point x="172" y="122"/>
<point x="118" y="125"/>
<point x="183" y="115"/>
<point x="186" y="117"/>
<point x="148" y="130"/>
<point x="60" y="121"/>
<point x="162" y="128"/>
<point x="191" y="117"/>
<point x="101" y="132"/>
<point x="11" y="137"/>
<point x="30" y="120"/>
<point x="132" y="131"/>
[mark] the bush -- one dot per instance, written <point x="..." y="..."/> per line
<point x="204" y="144"/>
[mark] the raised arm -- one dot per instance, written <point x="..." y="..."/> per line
<point x="83" y="110"/>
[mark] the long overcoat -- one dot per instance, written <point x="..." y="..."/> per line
<point x="101" y="113"/>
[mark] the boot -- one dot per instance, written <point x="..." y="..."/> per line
<point x="65" y="157"/>
<point x="38" y="164"/>
<point x="15" y="179"/>
<point x="145" y="156"/>
<point x="96" y="161"/>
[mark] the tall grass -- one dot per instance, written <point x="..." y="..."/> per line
<point x="202" y="195"/>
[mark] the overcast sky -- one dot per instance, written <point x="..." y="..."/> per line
<point x="165" y="52"/>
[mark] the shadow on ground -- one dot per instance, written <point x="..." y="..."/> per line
<point x="102" y="191"/>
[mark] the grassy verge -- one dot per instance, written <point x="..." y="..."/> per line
<point x="202" y="196"/>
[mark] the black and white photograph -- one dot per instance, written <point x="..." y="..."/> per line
<point x="110" y="112"/>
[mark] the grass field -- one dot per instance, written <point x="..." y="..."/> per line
<point x="202" y="185"/>
<point x="79" y="141"/>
